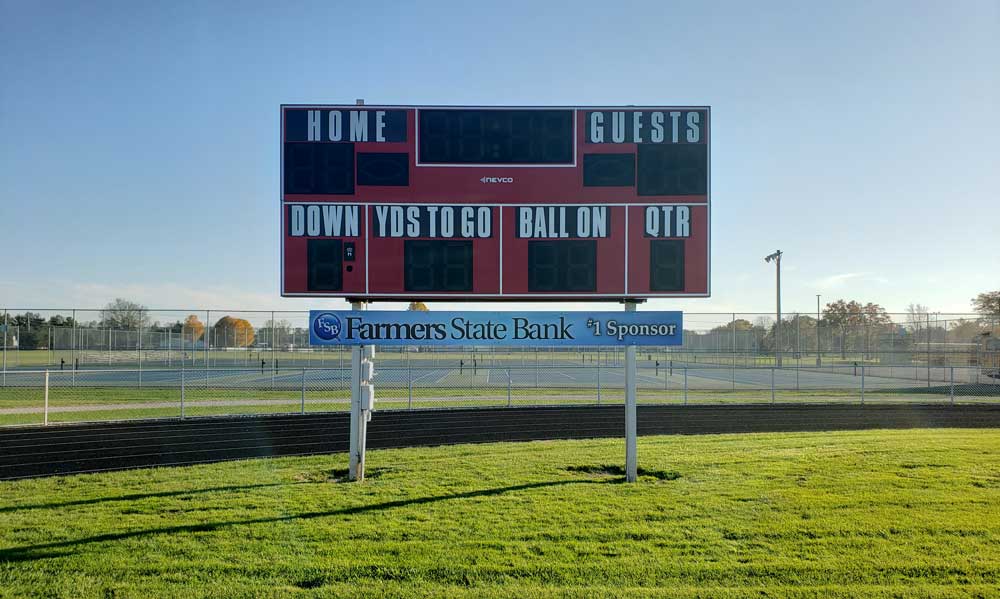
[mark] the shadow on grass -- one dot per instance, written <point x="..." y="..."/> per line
<point x="45" y="550"/>
<point x="137" y="496"/>
<point x="619" y="471"/>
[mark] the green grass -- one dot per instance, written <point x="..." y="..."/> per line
<point x="857" y="514"/>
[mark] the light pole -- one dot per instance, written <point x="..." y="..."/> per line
<point x="819" y="359"/>
<point x="776" y="257"/>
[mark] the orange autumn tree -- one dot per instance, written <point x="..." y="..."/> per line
<point x="232" y="332"/>
<point x="192" y="328"/>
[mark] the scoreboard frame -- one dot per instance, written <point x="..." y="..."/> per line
<point x="365" y="234"/>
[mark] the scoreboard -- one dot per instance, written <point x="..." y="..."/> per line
<point x="495" y="203"/>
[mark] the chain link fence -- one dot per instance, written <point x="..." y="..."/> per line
<point x="146" y="339"/>
<point x="51" y="396"/>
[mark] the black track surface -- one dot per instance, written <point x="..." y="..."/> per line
<point x="64" y="449"/>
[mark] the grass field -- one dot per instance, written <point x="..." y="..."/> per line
<point x="859" y="514"/>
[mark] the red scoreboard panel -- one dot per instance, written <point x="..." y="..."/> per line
<point x="495" y="203"/>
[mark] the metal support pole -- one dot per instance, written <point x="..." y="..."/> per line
<point x="928" y="349"/>
<point x="6" y="324"/>
<point x="138" y="347"/>
<point x="409" y="386"/>
<point x="819" y="357"/>
<point x="46" y="420"/>
<point x="862" y="383"/>
<point x="302" y="408"/>
<point x="204" y="339"/>
<point x="74" y="348"/>
<point x="951" y="392"/>
<point x="772" y="385"/>
<point x="508" y="388"/>
<point x="182" y="393"/>
<point x="359" y="424"/>
<point x="685" y="385"/>
<point x="536" y="368"/>
<point x="631" y="428"/>
<point x="598" y="380"/>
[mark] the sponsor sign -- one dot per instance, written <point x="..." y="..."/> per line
<point x="526" y="329"/>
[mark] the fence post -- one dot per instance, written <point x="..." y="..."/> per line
<point x="928" y="349"/>
<point x="46" y="421"/>
<point x="302" y="409"/>
<point x="598" y="381"/>
<point x="508" y="388"/>
<point x="409" y="387"/>
<point x="6" y="321"/>
<point x="951" y="392"/>
<point x="862" y="383"/>
<point x="772" y="385"/>
<point x="74" y="348"/>
<point x="685" y="385"/>
<point x="182" y="394"/>
<point x="536" y="368"/>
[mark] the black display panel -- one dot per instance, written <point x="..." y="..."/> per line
<point x="562" y="265"/>
<point x="666" y="265"/>
<point x="496" y="136"/>
<point x="608" y="170"/>
<point x="325" y="258"/>
<point x="383" y="168"/>
<point x="319" y="168"/>
<point x="673" y="170"/>
<point x="437" y="265"/>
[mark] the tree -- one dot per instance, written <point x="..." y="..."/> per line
<point x="28" y="328"/>
<point x="61" y="321"/>
<point x="124" y="314"/>
<point x="192" y="328"/>
<point x="233" y="332"/>
<point x="418" y="307"/>
<point x="916" y="315"/>
<point x="855" y="318"/>
<point x="988" y="303"/>
<point x="740" y="324"/>
<point x="275" y="332"/>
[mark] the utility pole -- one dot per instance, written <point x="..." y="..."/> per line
<point x="776" y="258"/>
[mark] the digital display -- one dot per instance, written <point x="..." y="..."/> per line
<point x="472" y="136"/>
<point x="437" y="265"/>
<point x="319" y="168"/>
<point x="384" y="168"/>
<point x="672" y="170"/>
<point x="562" y="265"/>
<point x="666" y="265"/>
<point x="608" y="170"/>
<point x="325" y="258"/>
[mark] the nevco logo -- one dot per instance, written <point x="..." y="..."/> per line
<point x="497" y="180"/>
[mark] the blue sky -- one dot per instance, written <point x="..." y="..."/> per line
<point x="139" y="141"/>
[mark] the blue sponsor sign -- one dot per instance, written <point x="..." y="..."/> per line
<point x="526" y="329"/>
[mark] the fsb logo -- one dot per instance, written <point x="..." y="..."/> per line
<point x="327" y="326"/>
